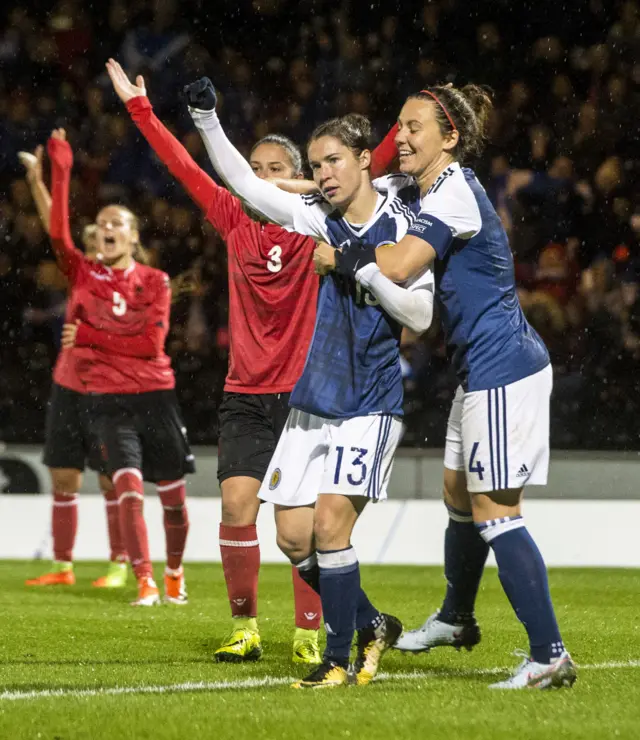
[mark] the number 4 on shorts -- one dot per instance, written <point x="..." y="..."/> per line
<point x="477" y="466"/>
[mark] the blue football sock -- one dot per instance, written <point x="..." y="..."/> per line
<point x="465" y="553"/>
<point x="366" y="614"/>
<point x="339" y="592"/>
<point x="524" y="579"/>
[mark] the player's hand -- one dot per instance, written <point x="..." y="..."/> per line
<point x="33" y="164"/>
<point x="59" y="150"/>
<point x="355" y="258"/>
<point x="125" y="89"/>
<point x="201" y="94"/>
<point x="324" y="258"/>
<point x="69" y="332"/>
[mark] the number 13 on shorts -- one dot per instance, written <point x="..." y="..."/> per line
<point x="361" y="456"/>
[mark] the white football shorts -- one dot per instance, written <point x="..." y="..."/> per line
<point x="500" y="437"/>
<point x="314" y="455"/>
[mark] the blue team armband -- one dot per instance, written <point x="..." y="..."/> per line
<point x="354" y="258"/>
<point x="434" y="231"/>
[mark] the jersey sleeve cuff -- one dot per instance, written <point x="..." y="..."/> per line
<point x="84" y="336"/>
<point x="366" y="274"/>
<point x="204" y="119"/>
<point x="138" y="104"/>
<point x="433" y="231"/>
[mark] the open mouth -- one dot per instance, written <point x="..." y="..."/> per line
<point x="404" y="154"/>
<point x="110" y="240"/>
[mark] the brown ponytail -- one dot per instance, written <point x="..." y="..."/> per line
<point x="468" y="110"/>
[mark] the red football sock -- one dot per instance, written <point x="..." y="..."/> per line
<point x="307" y="603"/>
<point x="240" y="553"/>
<point x="176" y="519"/>
<point x="64" y="525"/>
<point x="116" y="543"/>
<point x="128" y="485"/>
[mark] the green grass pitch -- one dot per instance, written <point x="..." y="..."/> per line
<point x="65" y="652"/>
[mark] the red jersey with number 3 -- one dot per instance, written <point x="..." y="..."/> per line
<point x="273" y="291"/>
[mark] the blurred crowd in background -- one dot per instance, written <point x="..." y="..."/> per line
<point x="562" y="168"/>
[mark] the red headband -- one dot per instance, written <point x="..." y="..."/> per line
<point x="444" y="110"/>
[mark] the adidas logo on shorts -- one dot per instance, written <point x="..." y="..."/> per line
<point x="524" y="470"/>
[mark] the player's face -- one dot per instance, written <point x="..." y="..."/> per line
<point x="419" y="140"/>
<point x="115" y="236"/>
<point x="271" y="160"/>
<point x="337" y="170"/>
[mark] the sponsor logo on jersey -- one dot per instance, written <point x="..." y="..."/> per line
<point x="275" y="479"/>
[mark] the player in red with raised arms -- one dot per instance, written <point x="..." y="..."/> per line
<point x="272" y="305"/>
<point x="69" y="443"/>
<point x="119" y="320"/>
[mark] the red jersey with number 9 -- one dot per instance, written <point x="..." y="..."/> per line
<point x="125" y="306"/>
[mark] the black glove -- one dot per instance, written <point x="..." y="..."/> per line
<point x="354" y="258"/>
<point x="201" y="94"/>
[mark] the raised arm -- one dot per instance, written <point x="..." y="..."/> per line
<point x="283" y="208"/>
<point x="222" y="209"/>
<point x="41" y="196"/>
<point x="61" y="156"/>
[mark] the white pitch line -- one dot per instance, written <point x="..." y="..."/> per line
<point x="256" y="683"/>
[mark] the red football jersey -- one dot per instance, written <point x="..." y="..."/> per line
<point x="65" y="372"/>
<point x="123" y="314"/>
<point x="273" y="290"/>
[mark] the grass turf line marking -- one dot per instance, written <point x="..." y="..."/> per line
<point x="256" y="683"/>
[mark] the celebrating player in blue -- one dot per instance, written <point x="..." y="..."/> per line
<point x="498" y="429"/>
<point x="337" y="448"/>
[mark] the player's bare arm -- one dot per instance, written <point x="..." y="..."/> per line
<point x="39" y="191"/>
<point x="399" y="262"/>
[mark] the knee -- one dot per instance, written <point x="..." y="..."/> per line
<point x="66" y="480"/>
<point x="296" y="548"/>
<point x="236" y="513"/>
<point x="454" y="490"/>
<point x="240" y="503"/>
<point x="329" y="533"/>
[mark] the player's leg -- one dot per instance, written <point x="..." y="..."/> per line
<point x="306" y="599"/>
<point x="357" y="469"/>
<point x="173" y="496"/>
<point x="167" y="458"/>
<point x="294" y="527"/>
<point x="64" y="455"/>
<point x="465" y="553"/>
<point x="117" y="571"/>
<point x="246" y="443"/>
<point x="514" y="451"/>
<point x="117" y="431"/>
<point x="116" y="575"/>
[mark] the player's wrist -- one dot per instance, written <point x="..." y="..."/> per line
<point x="84" y="336"/>
<point x="366" y="274"/>
<point x="349" y="262"/>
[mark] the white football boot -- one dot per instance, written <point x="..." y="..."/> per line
<point x="435" y="633"/>
<point x="560" y="673"/>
